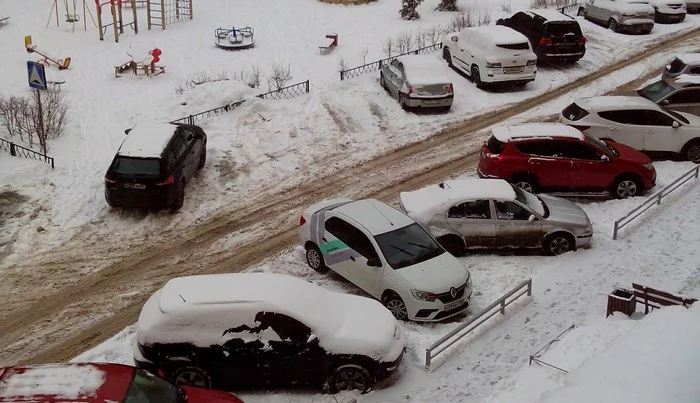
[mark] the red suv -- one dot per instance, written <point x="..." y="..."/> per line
<point x="552" y="156"/>
<point x="97" y="383"/>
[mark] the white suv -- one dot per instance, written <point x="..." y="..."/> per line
<point x="387" y="254"/>
<point x="491" y="54"/>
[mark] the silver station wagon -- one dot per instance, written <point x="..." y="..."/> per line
<point x="492" y="213"/>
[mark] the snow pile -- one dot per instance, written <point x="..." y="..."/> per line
<point x="67" y="382"/>
<point x="654" y="362"/>
<point x="688" y="79"/>
<point x="203" y="96"/>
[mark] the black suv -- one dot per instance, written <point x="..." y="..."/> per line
<point x="153" y="164"/>
<point x="555" y="37"/>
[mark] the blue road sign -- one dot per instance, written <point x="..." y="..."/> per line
<point x="36" y="75"/>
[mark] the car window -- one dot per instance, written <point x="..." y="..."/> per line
<point x="515" y="46"/>
<point x="495" y="145"/>
<point x="574" y="112"/>
<point x="178" y="146"/>
<point x="188" y="136"/>
<point x="519" y="20"/>
<point x="654" y="118"/>
<point x="351" y="236"/>
<point x="562" y="29"/>
<point x="676" y="66"/>
<point x="395" y="62"/>
<point x="694" y="70"/>
<point x="676" y="115"/>
<point x="578" y="150"/>
<point x="656" y="91"/>
<point x="629" y="117"/>
<point x="408" y="246"/>
<point x="146" y="167"/>
<point x="538" y="148"/>
<point x="480" y="209"/>
<point x="148" y="388"/>
<point x="600" y="145"/>
<point x="686" y="96"/>
<point x="506" y="210"/>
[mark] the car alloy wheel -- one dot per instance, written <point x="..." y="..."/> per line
<point x="626" y="188"/>
<point x="559" y="244"/>
<point x="349" y="377"/>
<point x="314" y="259"/>
<point x="396" y="306"/>
<point x="525" y="185"/>
<point x="693" y="153"/>
<point x="613" y="25"/>
<point x="447" y="56"/>
<point x="192" y="376"/>
<point x="476" y="76"/>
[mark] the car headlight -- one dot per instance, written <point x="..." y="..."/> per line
<point x="397" y="332"/>
<point x="648" y="166"/>
<point x="423" y="295"/>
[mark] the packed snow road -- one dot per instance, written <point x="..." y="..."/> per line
<point x="78" y="311"/>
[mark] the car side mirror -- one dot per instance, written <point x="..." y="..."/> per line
<point x="665" y="102"/>
<point x="531" y="218"/>
<point x="604" y="158"/>
<point x="454" y="38"/>
<point x="374" y="262"/>
<point x="675" y="125"/>
<point x="312" y="340"/>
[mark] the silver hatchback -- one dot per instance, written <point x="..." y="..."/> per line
<point x="492" y="213"/>
<point x="418" y="81"/>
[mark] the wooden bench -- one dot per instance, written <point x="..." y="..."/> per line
<point x="330" y="41"/>
<point x="652" y="298"/>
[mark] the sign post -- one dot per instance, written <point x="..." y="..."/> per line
<point x="37" y="80"/>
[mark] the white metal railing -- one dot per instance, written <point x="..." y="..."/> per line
<point x="654" y="199"/>
<point x="458" y="333"/>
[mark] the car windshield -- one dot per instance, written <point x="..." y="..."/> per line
<point x="129" y="166"/>
<point x="656" y="91"/>
<point x="600" y="145"/>
<point x="407" y="246"/>
<point x="148" y="388"/>
<point x="530" y="200"/>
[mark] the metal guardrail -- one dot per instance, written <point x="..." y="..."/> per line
<point x="289" y="91"/>
<point x="455" y="335"/>
<point x="654" y="199"/>
<point x="374" y="66"/>
<point x="17" y="150"/>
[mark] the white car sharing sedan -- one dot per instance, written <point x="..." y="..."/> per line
<point x="636" y="122"/>
<point x="387" y="254"/>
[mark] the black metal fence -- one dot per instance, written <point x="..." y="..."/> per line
<point x="289" y="91"/>
<point x="17" y="150"/>
<point x="374" y="66"/>
<point x="569" y="8"/>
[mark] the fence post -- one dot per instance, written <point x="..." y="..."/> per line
<point x="51" y="162"/>
<point x="341" y="75"/>
<point x="503" y="306"/>
<point x="307" y="86"/>
<point x="659" y="201"/>
<point x="427" y="358"/>
<point x="615" y="231"/>
<point x="529" y="288"/>
<point x="13" y="151"/>
<point x="697" y="170"/>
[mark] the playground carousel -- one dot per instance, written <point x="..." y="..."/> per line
<point x="233" y="39"/>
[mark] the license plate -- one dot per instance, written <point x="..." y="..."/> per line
<point x="134" y="186"/>
<point x="453" y="305"/>
<point x="517" y="69"/>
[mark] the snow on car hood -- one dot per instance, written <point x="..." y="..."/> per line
<point x="635" y="6"/>
<point x="692" y="119"/>
<point x="436" y="275"/>
<point x="564" y="211"/>
<point x="368" y="328"/>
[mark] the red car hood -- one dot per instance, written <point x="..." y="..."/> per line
<point x="628" y="153"/>
<point x="197" y="395"/>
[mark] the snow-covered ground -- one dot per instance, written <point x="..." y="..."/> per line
<point x="261" y="144"/>
<point x="658" y="250"/>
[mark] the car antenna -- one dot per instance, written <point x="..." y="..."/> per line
<point x="183" y="299"/>
<point x="380" y="212"/>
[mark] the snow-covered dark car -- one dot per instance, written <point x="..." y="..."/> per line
<point x="263" y="330"/>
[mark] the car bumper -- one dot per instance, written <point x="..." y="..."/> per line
<point x="436" y="311"/>
<point x="670" y="16"/>
<point x="490" y="76"/>
<point x="485" y="176"/>
<point x="639" y="25"/>
<point x="554" y="57"/>
<point x="583" y="240"/>
<point x="429" y="102"/>
<point x="146" y="199"/>
<point x="385" y="369"/>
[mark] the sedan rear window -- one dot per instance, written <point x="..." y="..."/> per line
<point x="129" y="166"/>
<point x="574" y="112"/>
<point x="515" y="46"/>
<point x="495" y="146"/>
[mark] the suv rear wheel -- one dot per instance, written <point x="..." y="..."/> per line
<point x="192" y="376"/>
<point x="525" y="182"/>
<point x="349" y="377"/>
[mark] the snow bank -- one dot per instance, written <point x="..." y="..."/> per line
<point x="654" y="362"/>
<point x="67" y="382"/>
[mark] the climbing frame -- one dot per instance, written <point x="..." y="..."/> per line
<point x="162" y="13"/>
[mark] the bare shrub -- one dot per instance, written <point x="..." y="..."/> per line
<point x="199" y="78"/>
<point x="342" y="64"/>
<point x="279" y="76"/>
<point x="388" y="47"/>
<point x="484" y="19"/>
<point x="538" y="4"/>
<point x="401" y="42"/>
<point x="20" y="116"/>
<point x="252" y="80"/>
<point x="460" y="20"/>
<point x="432" y="35"/>
<point x="363" y="53"/>
<point x="420" y="39"/>
<point x="505" y="6"/>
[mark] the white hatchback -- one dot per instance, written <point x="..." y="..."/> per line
<point x="387" y="254"/>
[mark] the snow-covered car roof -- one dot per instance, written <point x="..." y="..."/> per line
<point x="437" y="199"/>
<point x="689" y="58"/>
<point x="501" y="35"/>
<point x="688" y="80"/>
<point x="534" y="130"/>
<point x="615" y="103"/>
<point x="424" y="69"/>
<point x="147" y="140"/>
<point x="64" y="382"/>
<point x="551" y="15"/>
<point x="375" y="216"/>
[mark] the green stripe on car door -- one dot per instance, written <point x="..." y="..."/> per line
<point x="332" y="246"/>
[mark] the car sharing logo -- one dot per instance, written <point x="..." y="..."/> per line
<point x="335" y="251"/>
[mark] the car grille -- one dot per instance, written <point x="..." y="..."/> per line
<point x="445" y="297"/>
<point x="675" y="6"/>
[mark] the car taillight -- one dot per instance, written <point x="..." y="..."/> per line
<point x="168" y="181"/>
<point x="302" y="220"/>
<point x="582" y="40"/>
<point x="582" y="128"/>
<point x="109" y="181"/>
<point x="410" y="90"/>
<point x="545" y="42"/>
<point x="532" y="62"/>
<point x="490" y="65"/>
<point x="450" y="89"/>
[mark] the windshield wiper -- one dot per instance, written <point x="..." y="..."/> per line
<point x="423" y="246"/>
<point x="403" y="250"/>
